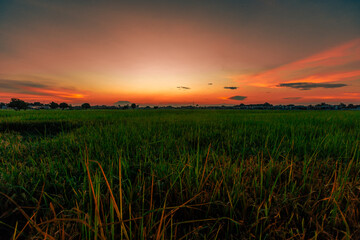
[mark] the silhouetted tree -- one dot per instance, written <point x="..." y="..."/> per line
<point x="63" y="105"/>
<point x="54" y="105"/>
<point x="18" y="104"/>
<point x="38" y="104"/>
<point x="156" y="107"/>
<point x="266" y="104"/>
<point x="342" y="105"/>
<point x="85" y="106"/>
<point x="133" y="106"/>
<point x="351" y="106"/>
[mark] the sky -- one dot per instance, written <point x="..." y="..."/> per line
<point x="180" y="52"/>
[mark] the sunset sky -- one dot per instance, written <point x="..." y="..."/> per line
<point x="180" y="52"/>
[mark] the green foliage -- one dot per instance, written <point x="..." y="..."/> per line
<point x="197" y="174"/>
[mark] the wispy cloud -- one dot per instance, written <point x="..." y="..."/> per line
<point x="238" y="98"/>
<point x="20" y="86"/>
<point x="308" y="86"/>
<point x="25" y="87"/>
<point x="340" y="63"/>
<point x="293" y="98"/>
<point x="231" y="88"/>
<point x="121" y="103"/>
<point x="184" y="88"/>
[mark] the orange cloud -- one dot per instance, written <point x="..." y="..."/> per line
<point x="341" y="63"/>
<point x="37" y="91"/>
<point x="60" y="93"/>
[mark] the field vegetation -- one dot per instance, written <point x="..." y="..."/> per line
<point x="179" y="174"/>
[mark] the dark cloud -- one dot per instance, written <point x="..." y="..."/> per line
<point x="238" y="98"/>
<point x="21" y="86"/>
<point x="231" y="88"/>
<point x="121" y="103"/>
<point x="309" y="85"/>
<point x="210" y="83"/>
<point x="293" y="98"/>
<point x="185" y="88"/>
<point x="26" y="87"/>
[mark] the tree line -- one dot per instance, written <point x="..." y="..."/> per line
<point x="19" y="104"/>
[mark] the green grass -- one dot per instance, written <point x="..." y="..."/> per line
<point x="180" y="174"/>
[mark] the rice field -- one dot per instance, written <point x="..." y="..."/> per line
<point x="179" y="174"/>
